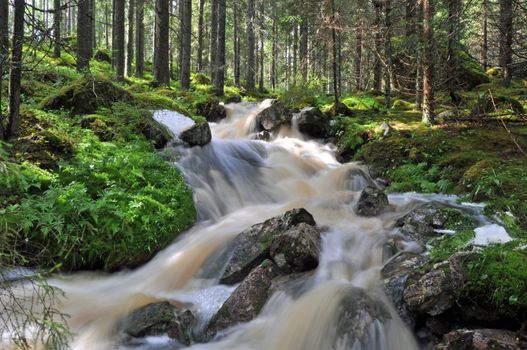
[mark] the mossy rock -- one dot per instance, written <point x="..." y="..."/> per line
<point x="487" y="104"/>
<point x="102" y="55"/>
<point x="200" y="79"/>
<point x="469" y="73"/>
<point x="493" y="72"/>
<point x="403" y="105"/>
<point x="100" y="127"/>
<point x="86" y="95"/>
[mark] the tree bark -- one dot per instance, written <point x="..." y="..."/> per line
<point x="119" y="39"/>
<point x="162" y="52"/>
<point x="454" y="7"/>
<point x="130" y="44"/>
<point x="506" y="35"/>
<point x="304" y="56"/>
<point x="377" y="69"/>
<point x="261" y="86"/>
<point x="213" y="39"/>
<point x="358" y="55"/>
<point x="274" y="54"/>
<point x="139" y="38"/>
<point x="335" y="54"/>
<point x="219" y="79"/>
<point x="4" y="45"/>
<point x="485" y="35"/>
<point x="388" y="54"/>
<point x="428" y="63"/>
<point x="200" y="34"/>
<point x="186" y="36"/>
<point x="249" y="77"/>
<point x="236" y="45"/>
<point x="84" y="35"/>
<point x="57" y="18"/>
<point x="15" y="74"/>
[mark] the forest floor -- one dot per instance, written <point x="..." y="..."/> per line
<point x="82" y="187"/>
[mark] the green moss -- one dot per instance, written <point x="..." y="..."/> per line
<point x="445" y="246"/>
<point x="403" y="105"/>
<point x="457" y="220"/>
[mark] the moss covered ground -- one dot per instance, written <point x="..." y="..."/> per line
<point x="82" y="187"/>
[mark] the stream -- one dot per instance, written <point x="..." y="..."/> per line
<point x="238" y="182"/>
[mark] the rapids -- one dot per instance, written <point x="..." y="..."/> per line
<point x="239" y="182"/>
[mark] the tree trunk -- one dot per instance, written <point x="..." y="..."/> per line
<point x="454" y="7"/>
<point x="485" y="35"/>
<point x="4" y="45"/>
<point x="506" y="35"/>
<point x="186" y="37"/>
<point x="130" y="44"/>
<point x="236" y="45"/>
<point x="250" y="79"/>
<point x="304" y="59"/>
<point x="213" y="39"/>
<point x="219" y="79"/>
<point x="274" y="58"/>
<point x="15" y="74"/>
<point x="388" y="55"/>
<point x="162" y="52"/>
<point x="57" y="18"/>
<point x="358" y="56"/>
<point x="295" y="53"/>
<point x="200" y="35"/>
<point x="262" y="48"/>
<point x="119" y="39"/>
<point x="428" y="63"/>
<point x="84" y="35"/>
<point x="377" y="69"/>
<point x="93" y="22"/>
<point x="139" y="38"/>
<point x="335" y="54"/>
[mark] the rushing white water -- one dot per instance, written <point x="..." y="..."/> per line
<point x="239" y="182"/>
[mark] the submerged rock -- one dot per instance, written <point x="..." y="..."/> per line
<point x="246" y="302"/>
<point x="312" y="122"/>
<point x="212" y="110"/>
<point x="297" y="249"/>
<point x="372" y="202"/>
<point x="480" y="339"/>
<point x="198" y="134"/>
<point x="251" y="247"/>
<point x="273" y="116"/>
<point x="158" y="319"/>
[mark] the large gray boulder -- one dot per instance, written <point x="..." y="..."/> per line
<point x="251" y="247"/>
<point x="297" y="249"/>
<point x="212" y="110"/>
<point x="246" y="302"/>
<point x="372" y="202"/>
<point x="198" y="134"/>
<point x="481" y="339"/>
<point x="273" y="116"/>
<point x="158" y="319"/>
<point x="312" y="122"/>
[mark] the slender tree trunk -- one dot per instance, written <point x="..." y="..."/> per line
<point x="388" y="55"/>
<point x="250" y="79"/>
<point x="236" y="45"/>
<point x="119" y="39"/>
<point x="4" y="45"/>
<point x="358" y="55"/>
<point x="15" y="74"/>
<point x="140" y="38"/>
<point x="377" y="69"/>
<point x="335" y="54"/>
<point x="57" y="18"/>
<point x="162" y="50"/>
<point x="428" y="63"/>
<point x="107" y="25"/>
<point x="130" y="44"/>
<point x="186" y="37"/>
<point x="485" y="35"/>
<point x="506" y="36"/>
<point x="213" y="38"/>
<point x="262" y="48"/>
<point x="454" y="7"/>
<point x="295" y="53"/>
<point x="200" y="35"/>
<point x="219" y="79"/>
<point x="274" y="58"/>
<point x="84" y="35"/>
<point x="304" y="56"/>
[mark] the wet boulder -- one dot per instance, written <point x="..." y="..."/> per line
<point x="212" y="110"/>
<point x="372" y="202"/>
<point x="273" y="115"/>
<point x="251" y="247"/>
<point x="198" y="134"/>
<point x="433" y="293"/>
<point x="233" y="99"/>
<point x="246" y="302"/>
<point x="262" y="136"/>
<point x="480" y="339"/>
<point x="156" y="132"/>
<point x="312" y="122"/>
<point x="290" y="284"/>
<point x="395" y="274"/>
<point x="297" y="249"/>
<point x="358" y="313"/>
<point x="158" y="319"/>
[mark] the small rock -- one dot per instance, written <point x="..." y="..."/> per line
<point x="212" y="110"/>
<point x="372" y="202"/>
<point x="480" y="339"/>
<point x="262" y="136"/>
<point x="297" y="249"/>
<point x="251" y="247"/>
<point x="198" y="134"/>
<point x="275" y="115"/>
<point x="246" y="301"/>
<point x="312" y="122"/>
<point x="386" y="129"/>
<point x="234" y="99"/>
